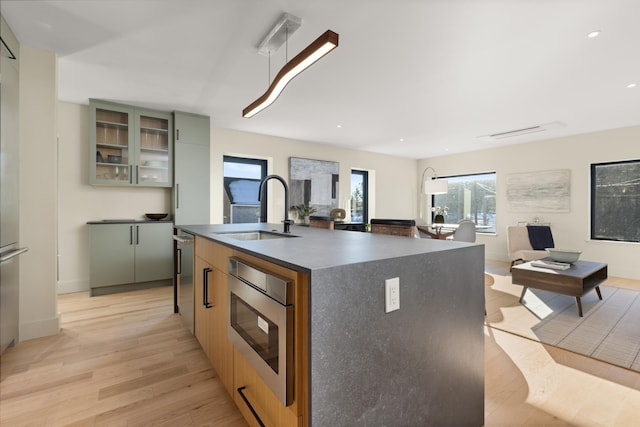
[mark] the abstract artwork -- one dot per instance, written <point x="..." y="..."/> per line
<point x="314" y="183"/>
<point x="543" y="191"/>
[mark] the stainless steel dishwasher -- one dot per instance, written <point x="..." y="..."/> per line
<point x="184" y="278"/>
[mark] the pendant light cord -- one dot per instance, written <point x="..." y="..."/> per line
<point x="286" y="43"/>
<point x="286" y="52"/>
<point x="269" y="71"/>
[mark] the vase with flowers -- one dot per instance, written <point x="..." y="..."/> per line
<point x="439" y="214"/>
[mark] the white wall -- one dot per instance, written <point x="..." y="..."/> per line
<point x="394" y="177"/>
<point x="79" y="202"/>
<point x="38" y="190"/>
<point x="570" y="230"/>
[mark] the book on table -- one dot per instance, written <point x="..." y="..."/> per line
<point x="551" y="264"/>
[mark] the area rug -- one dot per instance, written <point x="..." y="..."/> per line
<point x="609" y="330"/>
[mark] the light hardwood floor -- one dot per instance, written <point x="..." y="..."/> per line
<point x="120" y="360"/>
<point x="126" y="360"/>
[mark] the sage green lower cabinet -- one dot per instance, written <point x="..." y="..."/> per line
<point x="112" y="254"/>
<point x="154" y="252"/>
<point x="129" y="256"/>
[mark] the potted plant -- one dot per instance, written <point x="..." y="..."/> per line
<point x="304" y="211"/>
<point x="440" y="213"/>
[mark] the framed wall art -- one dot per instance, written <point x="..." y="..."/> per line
<point x="314" y="183"/>
<point x="542" y="191"/>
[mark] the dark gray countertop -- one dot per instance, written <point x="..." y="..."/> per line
<point x="314" y="249"/>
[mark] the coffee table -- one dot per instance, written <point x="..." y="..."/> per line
<point x="576" y="281"/>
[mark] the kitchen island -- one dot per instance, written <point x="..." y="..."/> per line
<point x="420" y="365"/>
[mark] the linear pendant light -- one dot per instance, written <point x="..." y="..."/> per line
<point x="316" y="50"/>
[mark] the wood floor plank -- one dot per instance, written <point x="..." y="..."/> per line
<point x="142" y="381"/>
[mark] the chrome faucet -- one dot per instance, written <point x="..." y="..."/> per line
<point x="262" y="192"/>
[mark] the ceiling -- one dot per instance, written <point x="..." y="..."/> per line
<point x="412" y="78"/>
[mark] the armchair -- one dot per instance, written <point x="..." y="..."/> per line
<point x="519" y="246"/>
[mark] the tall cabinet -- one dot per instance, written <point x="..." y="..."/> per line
<point x="191" y="190"/>
<point x="190" y="199"/>
<point x="130" y="146"/>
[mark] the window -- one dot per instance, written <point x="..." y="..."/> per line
<point x="615" y="201"/>
<point x="359" y="196"/>
<point x="470" y="197"/>
<point x="242" y="178"/>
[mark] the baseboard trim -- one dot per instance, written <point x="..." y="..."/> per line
<point x="105" y="290"/>
<point x="71" y="286"/>
<point x="39" y="329"/>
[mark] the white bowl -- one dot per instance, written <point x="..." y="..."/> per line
<point x="564" y="255"/>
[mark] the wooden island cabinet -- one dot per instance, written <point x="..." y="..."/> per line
<point x="211" y="320"/>
<point x="267" y="406"/>
<point x="210" y="312"/>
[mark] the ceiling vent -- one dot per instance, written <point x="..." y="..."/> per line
<point x="519" y="132"/>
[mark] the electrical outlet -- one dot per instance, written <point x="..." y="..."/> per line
<point x="391" y="294"/>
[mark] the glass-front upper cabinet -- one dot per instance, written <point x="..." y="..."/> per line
<point x="153" y="163"/>
<point x="130" y="146"/>
<point x="111" y="135"/>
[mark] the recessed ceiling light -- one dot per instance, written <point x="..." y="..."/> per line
<point x="401" y="139"/>
<point x="593" y="34"/>
<point x="339" y="126"/>
<point x="630" y="85"/>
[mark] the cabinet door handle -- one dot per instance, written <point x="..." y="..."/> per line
<point x="179" y="261"/>
<point x="130" y="174"/>
<point x="205" y="290"/>
<point x="131" y="234"/>
<point x="177" y="134"/>
<point x="137" y="234"/>
<point x="177" y="196"/>
<point x="137" y="176"/>
<point x="253" y="411"/>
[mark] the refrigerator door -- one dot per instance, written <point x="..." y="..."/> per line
<point x="9" y="155"/>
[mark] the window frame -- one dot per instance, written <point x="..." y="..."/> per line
<point x="365" y="193"/>
<point x="593" y="184"/>
<point x="263" y="163"/>
<point x="495" y="219"/>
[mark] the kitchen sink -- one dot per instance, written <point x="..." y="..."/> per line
<point x="255" y="235"/>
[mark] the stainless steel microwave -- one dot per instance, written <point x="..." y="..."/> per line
<point x="261" y="317"/>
